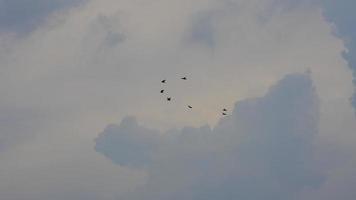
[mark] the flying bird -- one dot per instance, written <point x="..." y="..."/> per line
<point x="190" y="107"/>
<point x="224" y="109"/>
<point x="184" y="78"/>
<point x="169" y="98"/>
<point x="162" y="91"/>
<point x="163" y="81"/>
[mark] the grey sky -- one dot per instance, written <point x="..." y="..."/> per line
<point x="80" y="68"/>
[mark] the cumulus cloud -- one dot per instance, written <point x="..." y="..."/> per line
<point x="342" y="15"/>
<point x="23" y="16"/>
<point x="264" y="150"/>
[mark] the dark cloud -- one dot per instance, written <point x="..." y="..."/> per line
<point x="342" y="14"/>
<point x="264" y="150"/>
<point x="23" y="16"/>
<point x="127" y="144"/>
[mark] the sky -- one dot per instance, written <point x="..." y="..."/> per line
<point x="81" y="115"/>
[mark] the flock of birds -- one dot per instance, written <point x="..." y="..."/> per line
<point x="164" y="81"/>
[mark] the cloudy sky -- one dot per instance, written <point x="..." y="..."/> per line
<point x="81" y="115"/>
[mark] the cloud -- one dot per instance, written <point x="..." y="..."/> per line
<point x="128" y="144"/>
<point x="23" y="16"/>
<point x="64" y="82"/>
<point x="266" y="145"/>
<point x="342" y="15"/>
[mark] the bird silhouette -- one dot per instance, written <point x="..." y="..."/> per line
<point x="162" y="91"/>
<point x="224" y="109"/>
<point x="190" y="107"/>
<point x="169" y="98"/>
<point x="163" y="81"/>
<point x="184" y="78"/>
